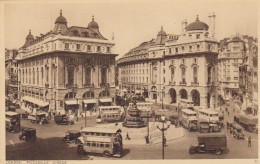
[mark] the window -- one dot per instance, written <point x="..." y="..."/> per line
<point x="88" y="47"/>
<point x="94" y="144"/>
<point x="170" y="50"/>
<point x="88" y="143"/>
<point x="198" y="36"/>
<point x="66" y="46"/>
<point x="164" y="63"/>
<point x="198" y="47"/>
<point x="163" y="71"/>
<point x="183" y="72"/>
<point x="108" y="49"/>
<point x="33" y="76"/>
<point x="70" y="75"/>
<point x="172" y="74"/>
<point x="235" y="78"/>
<point x="195" y="74"/>
<point x="190" y="48"/>
<point x="88" y="76"/>
<point x="103" y="75"/>
<point x="101" y="145"/>
<point x="78" y="46"/>
<point x="107" y="145"/>
<point x="182" y="48"/>
<point x="98" y="49"/>
<point x="176" y="50"/>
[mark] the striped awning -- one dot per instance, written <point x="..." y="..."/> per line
<point x="90" y="101"/>
<point x="35" y="101"/>
<point x="71" y="102"/>
<point x="104" y="100"/>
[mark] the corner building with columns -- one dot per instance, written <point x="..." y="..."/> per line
<point x="174" y="67"/>
<point x="68" y="69"/>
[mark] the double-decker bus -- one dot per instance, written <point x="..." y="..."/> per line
<point x="109" y="114"/>
<point x="146" y="109"/>
<point x="100" y="140"/>
<point x="212" y="117"/>
<point x="188" y="119"/>
<point x="184" y="103"/>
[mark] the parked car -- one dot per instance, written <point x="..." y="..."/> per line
<point x="237" y="131"/>
<point x="216" y="143"/>
<point x="12" y="121"/>
<point x="28" y="134"/>
<point x="63" y="119"/>
<point x="38" y="118"/>
<point x="71" y="136"/>
<point x="174" y="119"/>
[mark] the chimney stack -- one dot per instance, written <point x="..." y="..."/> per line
<point x="184" y="24"/>
<point x="212" y="17"/>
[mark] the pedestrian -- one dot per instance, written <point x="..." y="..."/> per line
<point x="147" y="139"/>
<point x="249" y="141"/>
<point x="127" y="136"/>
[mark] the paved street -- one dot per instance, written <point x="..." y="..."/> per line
<point x="49" y="145"/>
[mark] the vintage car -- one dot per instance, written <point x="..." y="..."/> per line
<point x="28" y="134"/>
<point x="229" y="126"/>
<point x="71" y="136"/>
<point x="38" y="118"/>
<point x="237" y="131"/>
<point x="63" y="119"/>
<point x="12" y="121"/>
<point x="174" y="119"/>
<point x="216" y="143"/>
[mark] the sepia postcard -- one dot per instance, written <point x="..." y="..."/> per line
<point x="153" y="81"/>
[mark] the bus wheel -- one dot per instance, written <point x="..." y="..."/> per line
<point x="106" y="153"/>
<point x="80" y="150"/>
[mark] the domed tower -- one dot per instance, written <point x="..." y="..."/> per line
<point x="161" y="37"/>
<point x="60" y="24"/>
<point x="28" y="40"/>
<point x="197" y="25"/>
<point x="93" y="25"/>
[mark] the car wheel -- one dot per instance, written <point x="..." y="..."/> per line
<point x="80" y="150"/>
<point x="218" y="152"/>
<point x="192" y="151"/>
<point x="106" y="153"/>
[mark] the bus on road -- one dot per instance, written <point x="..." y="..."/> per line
<point x="107" y="142"/>
<point x="188" y="119"/>
<point x="109" y="114"/>
<point x="146" y="109"/>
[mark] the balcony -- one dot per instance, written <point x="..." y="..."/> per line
<point x="104" y="85"/>
<point x="183" y="82"/>
<point x="89" y="85"/>
<point x="71" y="86"/>
<point x="195" y="83"/>
<point x="172" y="82"/>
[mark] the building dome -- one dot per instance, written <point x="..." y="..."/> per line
<point x="197" y="25"/>
<point x="162" y="32"/>
<point x="93" y="24"/>
<point x="61" y="19"/>
<point x="29" y="36"/>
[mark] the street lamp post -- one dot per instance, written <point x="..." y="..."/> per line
<point x="162" y="130"/>
<point x="85" y="105"/>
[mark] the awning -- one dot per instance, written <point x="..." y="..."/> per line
<point x="71" y="102"/>
<point x="105" y="100"/>
<point x="90" y="101"/>
<point x="35" y="101"/>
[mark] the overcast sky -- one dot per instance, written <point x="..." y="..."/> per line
<point x="132" y="22"/>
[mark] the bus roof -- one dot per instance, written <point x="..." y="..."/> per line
<point x="209" y="111"/>
<point x="211" y="135"/>
<point x="98" y="139"/>
<point x="99" y="130"/>
<point x="10" y="113"/>
<point x="188" y="111"/>
<point x="102" y="107"/>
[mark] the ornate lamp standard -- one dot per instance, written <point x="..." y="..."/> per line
<point x="163" y="129"/>
<point x="147" y="140"/>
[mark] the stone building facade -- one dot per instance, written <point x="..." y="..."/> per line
<point x="67" y="69"/>
<point x="173" y="67"/>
